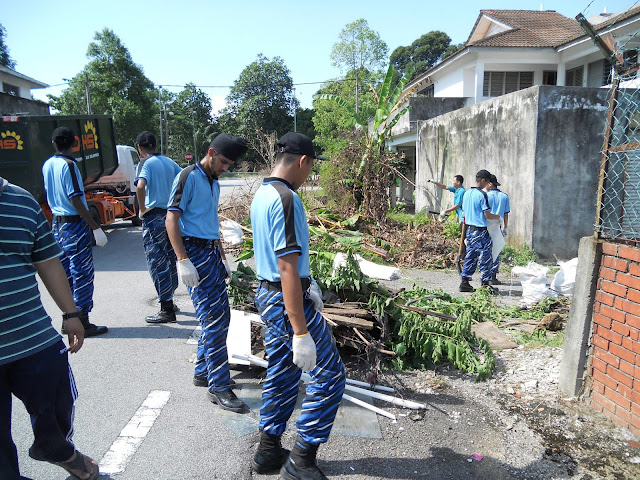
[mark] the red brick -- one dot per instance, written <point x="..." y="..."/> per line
<point x="620" y="377"/>
<point x="632" y="295"/>
<point x="630" y="345"/>
<point x="615" y="263"/>
<point x="605" y="298"/>
<point x="618" y="399"/>
<point x="628" y="280"/>
<point x="634" y="430"/>
<point x="605" y="379"/>
<point x="608" y="274"/>
<point x="610" y="249"/>
<point x="627" y="306"/>
<point x="632" y="320"/>
<point x="598" y="364"/>
<point x="600" y="319"/>
<point x="603" y="401"/>
<point x="634" y="333"/>
<point x="634" y="269"/>
<point x="613" y="288"/>
<point x="624" y="415"/>
<point x="629" y="253"/>
<point x="635" y="409"/>
<point x="600" y="342"/>
<point x="626" y="391"/>
<point x="606" y="357"/>
<point x="613" y="337"/>
<point x="613" y="313"/>
<point x="616" y="419"/>
<point x="621" y="328"/>
<point x="622" y="353"/>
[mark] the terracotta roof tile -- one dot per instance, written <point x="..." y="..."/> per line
<point x="531" y="28"/>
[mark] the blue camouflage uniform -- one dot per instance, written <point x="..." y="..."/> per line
<point x="499" y="203"/>
<point x="62" y="181"/>
<point x="478" y="240"/>
<point x="159" y="173"/>
<point x="280" y="227"/>
<point x="195" y="196"/>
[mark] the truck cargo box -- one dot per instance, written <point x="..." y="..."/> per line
<point x="25" y="144"/>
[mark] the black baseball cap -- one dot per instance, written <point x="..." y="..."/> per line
<point x="484" y="174"/>
<point x="298" y="143"/>
<point x="229" y="146"/>
<point x="146" y="140"/>
<point x="63" y="135"/>
<point x="494" y="180"/>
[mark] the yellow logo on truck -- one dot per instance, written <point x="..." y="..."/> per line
<point x="88" y="140"/>
<point x="10" y="141"/>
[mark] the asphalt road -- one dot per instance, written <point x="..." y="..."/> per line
<point x="138" y="405"/>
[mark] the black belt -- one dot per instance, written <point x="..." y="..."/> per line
<point x="277" y="286"/>
<point x="473" y="227"/>
<point x="201" y="242"/>
<point x="154" y="211"/>
<point x="68" y="218"/>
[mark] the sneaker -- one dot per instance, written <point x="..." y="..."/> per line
<point x="161" y="317"/>
<point x="465" y="286"/>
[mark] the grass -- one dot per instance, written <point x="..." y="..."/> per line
<point x="399" y="215"/>
<point x="541" y="338"/>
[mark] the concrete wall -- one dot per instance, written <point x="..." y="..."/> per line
<point x="423" y="108"/>
<point x="542" y="143"/>
<point x="10" y="104"/>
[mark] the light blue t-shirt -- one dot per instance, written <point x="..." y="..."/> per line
<point x="457" y="199"/>
<point x="159" y="172"/>
<point x="279" y="227"/>
<point x="195" y="195"/>
<point x="62" y="181"/>
<point x="474" y="204"/>
<point x="498" y="202"/>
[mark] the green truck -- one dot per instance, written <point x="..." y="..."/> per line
<point x="108" y="170"/>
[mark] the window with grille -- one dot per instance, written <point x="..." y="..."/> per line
<point x="607" y="72"/>
<point x="10" y="89"/>
<point x="574" y="77"/>
<point x="499" y="83"/>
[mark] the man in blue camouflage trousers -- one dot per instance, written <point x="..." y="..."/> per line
<point x="297" y="336"/>
<point x="153" y="189"/>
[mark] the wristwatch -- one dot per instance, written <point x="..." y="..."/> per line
<point x="67" y="316"/>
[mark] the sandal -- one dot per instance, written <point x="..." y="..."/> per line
<point x="80" y="465"/>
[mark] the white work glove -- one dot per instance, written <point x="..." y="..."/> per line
<point x="227" y="267"/>
<point x="443" y="214"/>
<point x="315" y="294"/>
<point x="304" y="352"/>
<point x="100" y="237"/>
<point x="505" y="231"/>
<point x="188" y="273"/>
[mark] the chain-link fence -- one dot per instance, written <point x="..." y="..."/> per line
<point x="618" y="208"/>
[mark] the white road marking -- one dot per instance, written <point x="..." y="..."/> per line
<point x="132" y="435"/>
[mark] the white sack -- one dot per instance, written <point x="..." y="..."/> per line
<point x="565" y="279"/>
<point x="497" y="239"/>
<point x="533" y="279"/>
<point x="370" y="269"/>
<point x="231" y="232"/>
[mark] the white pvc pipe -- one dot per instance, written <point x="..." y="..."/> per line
<point x="366" y="385"/>
<point x="368" y="406"/>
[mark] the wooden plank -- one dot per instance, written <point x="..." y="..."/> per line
<point x="349" y="321"/>
<point x="377" y="250"/>
<point x="355" y="312"/>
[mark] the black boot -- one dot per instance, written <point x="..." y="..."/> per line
<point x="301" y="464"/>
<point x="270" y="455"/>
<point x="91" y="330"/>
<point x="492" y="290"/>
<point x="167" y="314"/>
<point x="495" y="281"/>
<point x="465" y="286"/>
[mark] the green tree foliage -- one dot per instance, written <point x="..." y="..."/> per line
<point x="359" y="49"/>
<point x="422" y="54"/>
<point x="5" y="58"/>
<point x="117" y="87"/>
<point x="190" y="123"/>
<point x="261" y="98"/>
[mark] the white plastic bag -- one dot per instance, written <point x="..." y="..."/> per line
<point x="497" y="239"/>
<point x="533" y="279"/>
<point x="370" y="269"/>
<point x="565" y="279"/>
<point x="231" y="232"/>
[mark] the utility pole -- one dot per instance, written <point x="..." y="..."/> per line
<point x="86" y="91"/>
<point x="295" y="110"/>
<point x="166" y="126"/>
<point x="161" y="140"/>
<point x="193" y="123"/>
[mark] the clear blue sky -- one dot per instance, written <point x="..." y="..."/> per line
<point x="210" y="42"/>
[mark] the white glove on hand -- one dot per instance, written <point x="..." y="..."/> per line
<point x="315" y="293"/>
<point x="188" y="273"/>
<point x="100" y="237"/>
<point x="304" y="352"/>
<point x="443" y="214"/>
<point x="505" y="232"/>
<point x="227" y="267"/>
